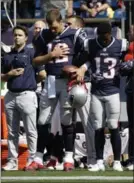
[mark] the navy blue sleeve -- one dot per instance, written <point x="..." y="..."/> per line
<point x="40" y="45"/>
<point x="39" y="68"/>
<point x="80" y="56"/>
<point x="79" y="39"/>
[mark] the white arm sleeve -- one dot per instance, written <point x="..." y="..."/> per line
<point x="124" y="45"/>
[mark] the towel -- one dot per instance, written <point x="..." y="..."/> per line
<point x="51" y="87"/>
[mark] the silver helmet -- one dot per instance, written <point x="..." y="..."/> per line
<point x="77" y="94"/>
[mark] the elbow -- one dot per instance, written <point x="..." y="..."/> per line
<point x="3" y="78"/>
<point x="35" y="62"/>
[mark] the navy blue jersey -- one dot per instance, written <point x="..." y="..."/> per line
<point x="105" y="65"/>
<point x="66" y="39"/>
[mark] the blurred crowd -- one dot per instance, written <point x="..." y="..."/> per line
<point x="84" y="8"/>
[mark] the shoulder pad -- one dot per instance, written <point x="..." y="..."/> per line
<point x="81" y="34"/>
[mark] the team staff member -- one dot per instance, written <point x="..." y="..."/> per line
<point x="20" y="100"/>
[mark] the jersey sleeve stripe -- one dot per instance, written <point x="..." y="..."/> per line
<point x="76" y="35"/>
<point x="86" y="45"/>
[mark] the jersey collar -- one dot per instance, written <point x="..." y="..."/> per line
<point x="113" y="39"/>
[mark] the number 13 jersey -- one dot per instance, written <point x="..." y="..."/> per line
<point x="105" y="65"/>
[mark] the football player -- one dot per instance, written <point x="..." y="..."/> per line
<point x="77" y="22"/>
<point x="105" y="53"/>
<point x="55" y="50"/>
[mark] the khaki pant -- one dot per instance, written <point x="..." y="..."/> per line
<point x="21" y="106"/>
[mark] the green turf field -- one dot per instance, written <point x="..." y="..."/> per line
<point x="80" y="176"/>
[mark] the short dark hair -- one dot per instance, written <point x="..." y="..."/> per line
<point x="78" y="19"/>
<point x="104" y="27"/>
<point x="53" y="15"/>
<point x="23" y="28"/>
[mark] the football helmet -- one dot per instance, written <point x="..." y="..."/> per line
<point x="77" y="94"/>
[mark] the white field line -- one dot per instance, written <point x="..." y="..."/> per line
<point x="67" y="178"/>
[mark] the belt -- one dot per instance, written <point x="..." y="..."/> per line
<point x="21" y="93"/>
<point x="60" y="77"/>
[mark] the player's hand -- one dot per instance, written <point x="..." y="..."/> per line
<point x="80" y="74"/>
<point x="59" y="51"/>
<point x="16" y="72"/>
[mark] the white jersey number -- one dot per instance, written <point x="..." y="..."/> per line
<point x="111" y="62"/>
<point x="58" y="60"/>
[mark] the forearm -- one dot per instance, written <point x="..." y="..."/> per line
<point x="5" y="77"/>
<point x="70" y="4"/>
<point x="43" y="59"/>
<point x="81" y="72"/>
<point x="85" y="8"/>
<point x="103" y="7"/>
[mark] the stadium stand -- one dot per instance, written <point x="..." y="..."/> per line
<point x="119" y="10"/>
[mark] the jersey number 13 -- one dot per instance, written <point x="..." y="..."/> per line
<point x="111" y="63"/>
